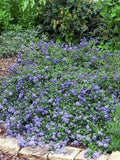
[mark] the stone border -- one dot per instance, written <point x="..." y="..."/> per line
<point x="10" y="146"/>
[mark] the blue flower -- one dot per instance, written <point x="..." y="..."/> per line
<point x="58" y="99"/>
<point x="105" y="145"/>
<point x="86" y="154"/>
<point x="96" y="87"/>
<point x="1" y="107"/>
<point x="88" y="139"/>
<point x="78" y="104"/>
<point x="10" y="94"/>
<point x="84" y="118"/>
<point x="34" y="96"/>
<point x="100" y="133"/>
<point x="76" y="57"/>
<point x="54" y="61"/>
<point x="95" y="155"/>
<point x="81" y="98"/>
<point x="65" y="120"/>
<point x="19" y="60"/>
<point x="73" y="91"/>
<point x="41" y="144"/>
<point x="75" y="142"/>
<point x="23" y="47"/>
<point x="79" y="137"/>
<point x="20" y="95"/>
<point x="93" y="58"/>
<point x="21" y="142"/>
<point x="32" y="143"/>
<point x="32" y="44"/>
<point x="19" y="54"/>
<point x="47" y="57"/>
<point x="4" y="101"/>
<point x="87" y="127"/>
<point x="11" y="110"/>
<point x="100" y="144"/>
<point x="50" y="100"/>
<point x="94" y="138"/>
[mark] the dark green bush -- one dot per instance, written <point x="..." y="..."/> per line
<point x="71" y="20"/>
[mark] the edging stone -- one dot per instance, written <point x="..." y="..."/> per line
<point x="9" y="145"/>
<point x="103" y="157"/>
<point x="114" y="156"/>
<point x="36" y="153"/>
<point x="80" y="156"/>
<point x="70" y="154"/>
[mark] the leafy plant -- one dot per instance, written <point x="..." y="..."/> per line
<point x="5" y="15"/>
<point x="30" y="3"/>
<point x="19" y="13"/>
<point x="69" y="22"/>
<point x="111" y="15"/>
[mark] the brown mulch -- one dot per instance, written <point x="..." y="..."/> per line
<point x="5" y="63"/>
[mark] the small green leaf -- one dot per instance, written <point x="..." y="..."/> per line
<point x="117" y="19"/>
<point x="113" y="14"/>
<point x="109" y="4"/>
<point x="58" y="41"/>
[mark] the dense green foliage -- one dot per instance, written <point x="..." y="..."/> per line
<point x="18" y="13"/>
<point x="66" y="20"/>
<point x="70" y="20"/>
<point x="111" y="15"/>
<point x="5" y="15"/>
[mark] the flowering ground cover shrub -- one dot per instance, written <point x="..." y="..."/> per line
<point x="63" y="94"/>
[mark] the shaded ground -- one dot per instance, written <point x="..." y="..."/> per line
<point x="5" y="63"/>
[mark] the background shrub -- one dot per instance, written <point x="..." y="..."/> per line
<point x="65" y="21"/>
<point x="11" y="42"/>
<point x="70" y="20"/>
